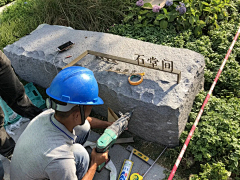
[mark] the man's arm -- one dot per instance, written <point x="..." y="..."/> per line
<point x="97" y="123"/>
<point x="96" y="159"/>
<point x="91" y="172"/>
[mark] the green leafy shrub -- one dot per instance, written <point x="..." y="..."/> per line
<point x="217" y="136"/>
<point x="149" y="34"/>
<point x="4" y="2"/>
<point x="200" y="16"/>
<point x="214" y="171"/>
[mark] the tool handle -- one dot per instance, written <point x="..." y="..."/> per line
<point x="101" y="166"/>
<point x="136" y="176"/>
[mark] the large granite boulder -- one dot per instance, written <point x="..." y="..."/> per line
<point x="161" y="104"/>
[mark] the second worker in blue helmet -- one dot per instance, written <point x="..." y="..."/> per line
<point x="51" y="147"/>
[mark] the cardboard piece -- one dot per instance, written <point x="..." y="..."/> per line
<point x="112" y="117"/>
<point x="124" y="140"/>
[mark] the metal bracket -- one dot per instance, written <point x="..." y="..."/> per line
<point x="167" y="66"/>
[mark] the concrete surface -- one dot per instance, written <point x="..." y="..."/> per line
<point x="161" y="106"/>
<point x="117" y="154"/>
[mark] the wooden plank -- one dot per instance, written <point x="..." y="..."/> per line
<point x="76" y="60"/>
<point x="124" y="140"/>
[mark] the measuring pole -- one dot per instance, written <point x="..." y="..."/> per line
<point x="155" y="161"/>
<point x="202" y="108"/>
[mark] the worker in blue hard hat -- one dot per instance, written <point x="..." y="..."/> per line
<point x="51" y="147"/>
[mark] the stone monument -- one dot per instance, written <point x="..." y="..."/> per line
<point x="161" y="104"/>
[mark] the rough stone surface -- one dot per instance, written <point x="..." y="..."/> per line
<point x="161" y="105"/>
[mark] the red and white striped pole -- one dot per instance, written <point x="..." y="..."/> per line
<point x="202" y="108"/>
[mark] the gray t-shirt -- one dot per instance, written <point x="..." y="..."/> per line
<point x="43" y="151"/>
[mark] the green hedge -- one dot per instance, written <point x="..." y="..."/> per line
<point x="4" y="2"/>
<point x="217" y="136"/>
<point x="199" y="16"/>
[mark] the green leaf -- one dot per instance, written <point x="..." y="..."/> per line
<point x="192" y="11"/>
<point x="205" y="3"/>
<point x="168" y="17"/>
<point x="165" y="11"/>
<point x="172" y="15"/>
<point x="156" y="22"/>
<point x="216" y="2"/>
<point x="196" y="17"/>
<point x="206" y="20"/>
<point x="127" y="18"/>
<point x="160" y="17"/>
<point x="236" y="163"/>
<point x="173" y="12"/>
<point x="208" y="9"/>
<point x="201" y="23"/>
<point x="163" y="24"/>
<point x="151" y="14"/>
<point x="191" y="20"/>
<point x="216" y="24"/>
<point x="143" y="11"/>
<point x="138" y="25"/>
<point x="172" y="18"/>
<point x="200" y="5"/>
<point x="198" y="31"/>
<point x="147" y="5"/>
<point x="225" y="13"/>
<point x="145" y="23"/>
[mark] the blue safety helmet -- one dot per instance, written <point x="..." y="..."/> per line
<point x="75" y="85"/>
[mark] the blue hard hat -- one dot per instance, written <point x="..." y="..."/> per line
<point x="75" y="85"/>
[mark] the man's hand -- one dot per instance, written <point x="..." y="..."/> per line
<point x="98" y="158"/>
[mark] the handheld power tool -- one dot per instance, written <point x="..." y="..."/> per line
<point x="110" y="135"/>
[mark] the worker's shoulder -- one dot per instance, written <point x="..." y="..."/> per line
<point x="38" y="127"/>
<point x="45" y="113"/>
<point x="43" y="117"/>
